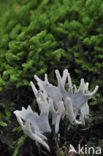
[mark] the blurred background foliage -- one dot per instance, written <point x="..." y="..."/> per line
<point x="37" y="37"/>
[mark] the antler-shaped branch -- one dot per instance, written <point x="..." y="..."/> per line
<point x="29" y="122"/>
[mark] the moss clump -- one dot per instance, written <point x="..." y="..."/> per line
<point x="39" y="36"/>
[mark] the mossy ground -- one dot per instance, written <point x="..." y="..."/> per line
<point x="40" y="36"/>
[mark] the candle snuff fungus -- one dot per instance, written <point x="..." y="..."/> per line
<point x="55" y="102"/>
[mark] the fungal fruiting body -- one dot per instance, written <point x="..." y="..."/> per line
<point x="55" y="102"/>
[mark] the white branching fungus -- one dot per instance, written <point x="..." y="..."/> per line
<point x="56" y="102"/>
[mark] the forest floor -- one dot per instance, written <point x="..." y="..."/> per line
<point x="91" y="135"/>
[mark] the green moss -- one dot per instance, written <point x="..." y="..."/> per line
<point x="3" y="124"/>
<point x="19" y="144"/>
<point x="53" y="30"/>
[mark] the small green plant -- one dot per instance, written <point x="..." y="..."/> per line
<point x="20" y="142"/>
